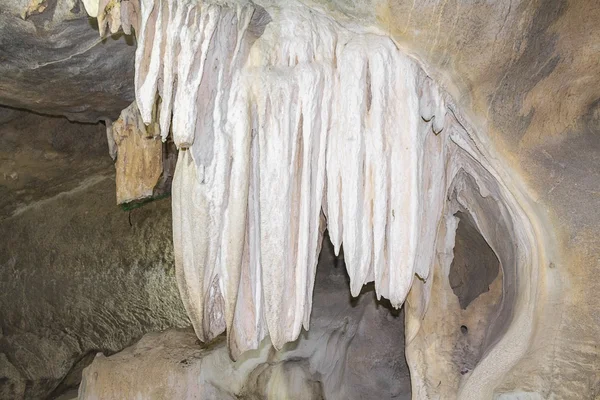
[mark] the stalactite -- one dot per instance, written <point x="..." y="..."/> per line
<point x="114" y="15"/>
<point x="276" y="124"/>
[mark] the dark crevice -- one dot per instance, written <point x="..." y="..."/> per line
<point x="475" y="265"/>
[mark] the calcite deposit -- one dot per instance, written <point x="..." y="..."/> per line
<point x="450" y="149"/>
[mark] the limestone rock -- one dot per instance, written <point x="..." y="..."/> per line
<point x="45" y="156"/>
<point x="286" y="108"/>
<point x="77" y="274"/>
<point x="350" y="342"/>
<point x="519" y="80"/>
<point x="244" y="205"/>
<point x="54" y="61"/>
<point x="139" y="157"/>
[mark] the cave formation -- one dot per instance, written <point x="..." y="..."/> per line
<point x="299" y="200"/>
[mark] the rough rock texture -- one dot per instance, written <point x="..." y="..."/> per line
<point x="139" y="163"/>
<point x="500" y="62"/>
<point x="523" y="78"/>
<point x="144" y="164"/>
<point x="42" y="157"/>
<point x="77" y="274"/>
<point x="354" y="350"/>
<point x="54" y="62"/>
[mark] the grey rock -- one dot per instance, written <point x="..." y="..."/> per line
<point x="56" y="63"/>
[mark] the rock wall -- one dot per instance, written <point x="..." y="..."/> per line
<point x="353" y="350"/>
<point x="54" y="62"/>
<point x="77" y="274"/>
<point x="523" y="76"/>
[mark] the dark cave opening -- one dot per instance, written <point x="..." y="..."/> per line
<point x="376" y="362"/>
<point x="475" y="265"/>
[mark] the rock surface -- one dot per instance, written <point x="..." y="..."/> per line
<point x="524" y="74"/>
<point x="523" y="79"/>
<point x="527" y="75"/>
<point x="45" y="156"/>
<point x="54" y="62"/>
<point x="144" y="164"/>
<point x="354" y="350"/>
<point x="77" y="274"/>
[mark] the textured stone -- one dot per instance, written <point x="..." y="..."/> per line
<point x="523" y="76"/>
<point x="77" y="274"/>
<point x="44" y="156"/>
<point x="54" y="62"/>
<point x="139" y="163"/>
<point x="499" y="62"/>
<point x="354" y="350"/>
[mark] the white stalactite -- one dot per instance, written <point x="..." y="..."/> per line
<point x="273" y="128"/>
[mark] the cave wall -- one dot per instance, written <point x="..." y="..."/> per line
<point x="525" y="76"/>
<point x="354" y="350"/>
<point x="53" y="61"/>
<point x="78" y="275"/>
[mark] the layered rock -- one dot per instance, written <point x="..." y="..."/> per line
<point x="54" y="62"/>
<point x="77" y="274"/>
